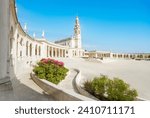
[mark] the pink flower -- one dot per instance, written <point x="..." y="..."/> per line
<point x="44" y="61"/>
<point x="49" y="60"/>
<point x="60" y="63"/>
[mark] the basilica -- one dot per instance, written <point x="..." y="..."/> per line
<point x="20" y="51"/>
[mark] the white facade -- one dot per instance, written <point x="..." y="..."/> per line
<point x="107" y="54"/>
<point x="74" y="43"/>
<point x="4" y="40"/>
<point x="19" y="51"/>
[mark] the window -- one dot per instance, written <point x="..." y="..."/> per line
<point x="30" y="49"/>
<point x="36" y="50"/>
<point x="39" y="51"/>
<point x="27" y="48"/>
<point x="21" y="42"/>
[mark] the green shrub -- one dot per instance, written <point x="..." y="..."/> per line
<point x="106" y="89"/>
<point x="99" y="85"/>
<point x="51" y="70"/>
<point x="118" y="90"/>
<point x="88" y="87"/>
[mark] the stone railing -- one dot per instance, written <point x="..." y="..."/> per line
<point x="58" y="93"/>
<point x="77" y="86"/>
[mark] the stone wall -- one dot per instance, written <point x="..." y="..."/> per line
<point x="4" y="42"/>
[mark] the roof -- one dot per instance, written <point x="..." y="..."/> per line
<point x="94" y="51"/>
<point x="63" y="40"/>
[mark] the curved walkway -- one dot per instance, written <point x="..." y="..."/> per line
<point x="68" y="82"/>
<point x="22" y="88"/>
<point x="136" y="73"/>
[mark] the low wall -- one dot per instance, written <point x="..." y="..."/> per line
<point x="56" y="92"/>
<point x="78" y="87"/>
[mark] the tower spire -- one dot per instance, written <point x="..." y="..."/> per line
<point x="77" y="26"/>
<point x="43" y="34"/>
<point x="34" y="35"/>
<point x="77" y="33"/>
<point x="25" y="27"/>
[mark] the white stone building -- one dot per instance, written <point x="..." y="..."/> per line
<point x="108" y="54"/>
<point x="19" y="51"/>
<point x="74" y="43"/>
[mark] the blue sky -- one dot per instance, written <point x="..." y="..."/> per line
<point x="108" y="25"/>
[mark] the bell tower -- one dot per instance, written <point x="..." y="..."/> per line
<point x="77" y="34"/>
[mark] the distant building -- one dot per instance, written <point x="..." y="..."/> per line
<point x="19" y="51"/>
<point x="108" y="54"/>
<point x="74" y="43"/>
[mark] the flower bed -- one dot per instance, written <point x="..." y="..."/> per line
<point x="51" y="70"/>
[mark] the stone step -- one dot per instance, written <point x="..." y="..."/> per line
<point x="6" y="86"/>
<point x="4" y="80"/>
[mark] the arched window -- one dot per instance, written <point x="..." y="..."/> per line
<point x="30" y="49"/>
<point x="11" y="31"/>
<point x="39" y="50"/>
<point x="11" y="39"/>
<point x="21" y="42"/>
<point x="57" y="52"/>
<point x="50" y="53"/>
<point x="47" y="50"/>
<point x="27" y="48"/>
<point x="36" y="50"/>
<point x="54" y="54"/>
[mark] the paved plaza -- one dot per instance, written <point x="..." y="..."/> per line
<point x="136" y="73"/>
<point x="22" y="88"/>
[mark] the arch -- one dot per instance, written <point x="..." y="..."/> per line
<point x="57" y="52"/>
<point x="21" y="41"/>
<point x="17" y="50"/>
<point x="141" y="56"/>
<point x="27" y="48"/>
<point x="50" y="52"/>
<point x="11" y="31"/>
<point x="61" y="53"/>
<point x="54" y="52"/>
<point x="36" y="49"/>
<point x="11" y="38"/>
<point x="64" y="53"/>
<point x="11" y="46"/>
<point x="30" y="49"/>
<point x="39" y="50"/>
<point x="47" y="50"/>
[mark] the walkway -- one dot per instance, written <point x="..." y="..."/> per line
<point x="22" y="88"/>
<point x="68" y="83"/>
<point x="136" y="73"/>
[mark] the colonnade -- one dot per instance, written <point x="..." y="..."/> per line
<point x="55" y="52"/>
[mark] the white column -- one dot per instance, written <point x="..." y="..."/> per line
<point x="4" y="40"/>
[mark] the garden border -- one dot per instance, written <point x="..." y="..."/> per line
<point x="85" y="93"/>
<point x="58" y="93"/>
